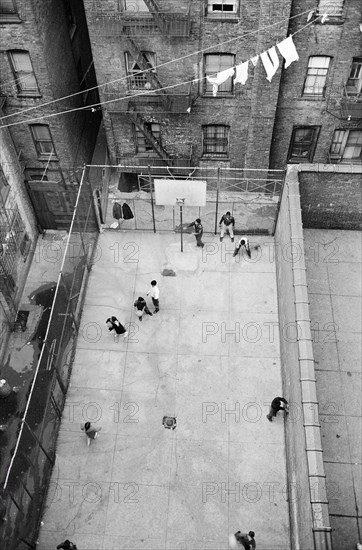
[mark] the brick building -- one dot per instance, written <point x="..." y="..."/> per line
<point x="18" y="234"/>
<point x="45" y="55"/>
<point x="319" y="110"/>
<point x="309" y="112"/>
<point x="184" y="124"/>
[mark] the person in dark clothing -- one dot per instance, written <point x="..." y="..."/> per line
<point x="275" y="407"/>
<point x="67" y="545"/>
<point x="198" y="231"/>
<point x="141" y="307"/>
<point x="246" y="539"/>
<point x="90" y="431"/>
<point x="114" y="324"/>
<point x="227" y="224"/>
<point x="244" y="242"/>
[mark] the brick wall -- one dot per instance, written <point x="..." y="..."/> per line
<point x="43" y="32"/>
<point x="331" y="200"/>
<point x="249" y="112"/>
<point x="340" y="41"/>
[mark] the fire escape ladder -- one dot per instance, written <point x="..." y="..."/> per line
<point x="140" y="123"/>
<point x="149" y="75"/>
<point x="158" y="17"/>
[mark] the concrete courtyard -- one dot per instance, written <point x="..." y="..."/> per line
<point x="211" y="359"/>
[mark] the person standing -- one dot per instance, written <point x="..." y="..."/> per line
<point x="67" y="545"/>
<point x="243" y="243"/>
<point x="114" y="324"/>
<point x="198" y="231"/>
<point x="246" y="539"/>
<point x="155" y="295"/>
<point x="227" y="224"/>
<point x="90" y="431"/>
<point x="275" y="407"/>
<point x="141" y="307"/>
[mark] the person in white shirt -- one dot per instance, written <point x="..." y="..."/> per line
<point x="244" y="242"/>
<point x="155" y="295"/>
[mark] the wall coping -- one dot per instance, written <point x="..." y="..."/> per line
<point x="328" y="168"/>
<point x="319" y="502"/>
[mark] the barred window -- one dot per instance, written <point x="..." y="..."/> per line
<point x="215" y="140"/>
<point x="136" y="78"/>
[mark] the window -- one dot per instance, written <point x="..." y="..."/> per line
<point x="144" y="147"/>
<point x="43" y="141"/>
<point x="136" y="78"/>
<point x="23" y="72"/>
<point x="8" y="12"/>
<point x="354" y="82"/>
<point x="134" y="5"/>
<point x="215" y="141"/>
<point x="4" y="187"/>
<point x="303" y="142"/>
<point x="215" y="63"/>
<point x="332" y="7"/>
<point x="222" y="8"/>
<point x="315" y="81"/>
<point x="346" y="145"/>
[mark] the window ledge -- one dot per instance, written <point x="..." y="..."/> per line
<point x="313" y="98"/>
<point x="45" y="158"/>
<point x="216" y="158"/>
<point x="222" y="19"/>
<point x="9" y="19"/>
<point x="220" y="95"/>
<point x="30" y="95"/>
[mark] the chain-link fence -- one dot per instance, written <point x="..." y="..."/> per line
<point x="252" y="197"/>
<point x="24" y="487"/>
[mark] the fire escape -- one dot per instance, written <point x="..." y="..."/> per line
<point x="127" y="25"/>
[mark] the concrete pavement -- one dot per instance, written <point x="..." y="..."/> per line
<point x="211" y="359"/>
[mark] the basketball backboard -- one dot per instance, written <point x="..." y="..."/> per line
<point x="180" y="192"/>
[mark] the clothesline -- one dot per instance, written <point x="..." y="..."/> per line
<point x="269" y="58"/>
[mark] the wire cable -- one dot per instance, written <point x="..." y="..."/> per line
<point x="152" y="69"/>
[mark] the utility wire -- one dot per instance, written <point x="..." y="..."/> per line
<point x="141" y="72"/>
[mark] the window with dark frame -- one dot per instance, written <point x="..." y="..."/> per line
<point x="215" y="142"/>
<point x="136" y="79"/>
<point x="303" y="143"/>
<point x="43" y="141"/>
<point x="222" y="8"/>
<point x="346" y="145"/>
<point x="215" y="63"/>
<point x="315" y="82"/>
<point x="354" y="82"/>
<point x="23" y="73"/>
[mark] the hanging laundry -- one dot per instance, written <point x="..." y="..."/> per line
<point x="288" y="51"/>
<point x="127" y="212"/>
<point x="254" y="60"/>
<point x="117" y="211"/>
<point x="220" y="78"/>
<point x="241" y="73"/>
<point x="271" y="62"/>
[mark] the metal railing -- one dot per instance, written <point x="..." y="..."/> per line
<point x="140" y="23"/>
